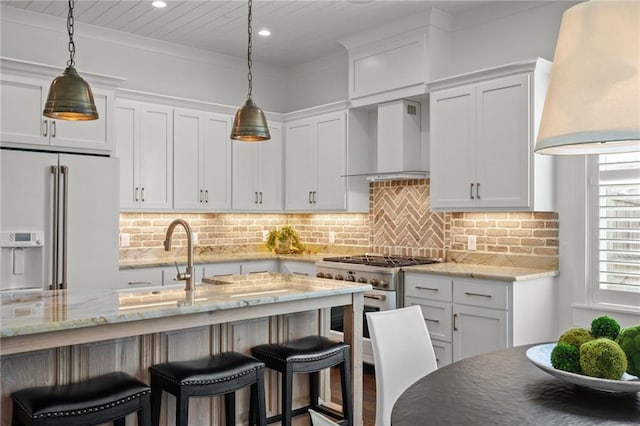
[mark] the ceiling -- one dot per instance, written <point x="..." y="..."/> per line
<point x="301" y="29"/>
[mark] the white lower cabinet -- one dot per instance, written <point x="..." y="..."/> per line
<point x="467" y="317"/>
<point x="258" y="266"/>
<point x="146" y="277"/>
<point x="298" y="268"/>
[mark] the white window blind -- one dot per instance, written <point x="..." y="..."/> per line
<point x="619" y="222"/>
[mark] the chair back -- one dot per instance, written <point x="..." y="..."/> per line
<point x="402" y="353"/>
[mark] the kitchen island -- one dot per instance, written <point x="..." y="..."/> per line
<point x="56" y="337"/>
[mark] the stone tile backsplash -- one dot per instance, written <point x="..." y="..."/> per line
<point x="399" y="222"/>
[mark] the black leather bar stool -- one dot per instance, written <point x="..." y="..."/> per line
<point x="310" y="354"/>
<point x="107" y="398"/>
<point x="221" y="374"/>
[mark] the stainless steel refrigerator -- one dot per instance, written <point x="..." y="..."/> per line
<point x="59" y="220"/>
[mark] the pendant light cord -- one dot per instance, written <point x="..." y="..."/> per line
<point x="249" y="63"/>
<point x="72" y="45"/>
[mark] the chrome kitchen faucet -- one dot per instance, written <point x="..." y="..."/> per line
<point x="188" y="273"/>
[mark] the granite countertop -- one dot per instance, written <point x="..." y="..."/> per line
<point x="470" y="270"/>
<point x="31" y="312"/>
<point x="133" y="263"/>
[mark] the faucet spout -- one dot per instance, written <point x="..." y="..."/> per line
<point x="188" y="275"/>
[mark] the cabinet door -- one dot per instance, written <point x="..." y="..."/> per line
<point x="453" y="128"/>
<point x="21" y="111"/>
<point x="127" y="149"/>
<point x="156" y="155"/>
<point x="443" y="353"/>
<point x="269" y="182"/>
<point x="330" y="150"/>
<point x="216" y="156"/>
<point x="503" y="142"/>
<point x="478" y="330"/>
<point x="187" y="165"/>
<point x="93" y="134"/>
<point x="300" y="165"/>
<point x="298" y="268"/>
<point x="245" y="170"/>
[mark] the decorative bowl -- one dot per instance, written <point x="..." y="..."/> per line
<point x="540" y="356"/>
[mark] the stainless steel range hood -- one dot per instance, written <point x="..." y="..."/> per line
<point x="398" y="151"/>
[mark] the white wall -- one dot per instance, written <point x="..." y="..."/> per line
<point x="148" y="65"/>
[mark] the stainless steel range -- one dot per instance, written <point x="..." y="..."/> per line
<point x="384" y="273"/>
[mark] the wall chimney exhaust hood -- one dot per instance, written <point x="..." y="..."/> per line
<point x="399" y="144"/>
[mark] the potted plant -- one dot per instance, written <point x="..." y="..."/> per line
<point x="285" y="241"/>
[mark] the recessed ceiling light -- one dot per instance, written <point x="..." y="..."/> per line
<point x="159" y="4"/>
<point x="264" y="32"/>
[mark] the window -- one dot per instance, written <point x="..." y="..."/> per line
<point x="615" y="226"/>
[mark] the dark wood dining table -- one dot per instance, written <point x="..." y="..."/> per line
<point x="505" y="388"/>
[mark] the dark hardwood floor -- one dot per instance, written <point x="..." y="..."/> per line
<point x="368" y="393"/>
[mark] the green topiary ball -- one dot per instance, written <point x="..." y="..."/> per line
<point x="605" y="327"/>
<point x="566" y="357"/>
<point x="576" y="336"/>
<point x="629" y="341"/>
<point x="603" y="358"/>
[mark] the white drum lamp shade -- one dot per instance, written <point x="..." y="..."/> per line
<point x="593" y="100"/>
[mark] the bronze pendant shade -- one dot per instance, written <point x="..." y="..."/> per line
<point x="250" y="124"/>
<point x="70" y="98"/>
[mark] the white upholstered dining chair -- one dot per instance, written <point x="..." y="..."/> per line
<point x="402" y="353"/>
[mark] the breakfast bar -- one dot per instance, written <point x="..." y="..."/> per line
<point x="57" y="337"/>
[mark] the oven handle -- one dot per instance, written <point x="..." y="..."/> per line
<point x="375" y="297"/>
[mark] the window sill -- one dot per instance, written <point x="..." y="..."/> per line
<point x="625" y="315"/>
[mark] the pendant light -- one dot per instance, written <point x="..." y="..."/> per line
<point x="593" y="100"/>
<point x="250" y="124"/>
<point x="70" y="97"/>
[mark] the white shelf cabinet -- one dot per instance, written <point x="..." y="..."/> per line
<point x="23" y="124"/>
<point x="202" y="160"/>
<point x="483" y="130"/>
<point x="467" y="317"/>
<point x="258" y="173"/>
<point x="144" y="144"/>
<point x="315" y="161"/>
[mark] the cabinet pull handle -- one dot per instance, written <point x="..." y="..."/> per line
<point x="375" y="297"/>
<point x="140" y="282"/>
<point x="142" y="194"/>
<point x="45" y="127"/>
<point x="432" y="320"/>
<point x="136" y="194"/>
<point x="255" y="197"/>
<point x="53" y="129"/>
<point x="477" y="294"/>
<point x="314" y="197"/>
<point x="260" y="197"/>
<point x="478" y="190"/>
<point x="201" y="195"/>
<point x="206" y="195"/>
<point x="427" y="288"/>
<point x="310" y="202"/>
<point x="300" y="273"/>
<point x="455" y="322"/>
<point x="471" y="191"/>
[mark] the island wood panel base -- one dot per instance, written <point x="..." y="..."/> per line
<point x="40" y="359"/>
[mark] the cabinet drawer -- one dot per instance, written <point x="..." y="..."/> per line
<point x="489" y="294"/>
<point x="444" y="353"/>
<point x="437" y="317"/>
<point x="428" y="286"/>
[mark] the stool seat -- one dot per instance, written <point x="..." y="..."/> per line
<point x="306" y="349"/>
<point x="220" y="374"/>
<point x="220" y="368"/>
<point x="105" y="397"/>
<point x="310" y="355"/>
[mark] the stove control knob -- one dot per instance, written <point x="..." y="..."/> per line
<point x="339" y="277"/>
<point x="350" y="278"/>
<point x="384" y="284"/>
<point x="374" y="282"/>
<point x="320" y="275"/>
<point x="362" y="280"/>
<point x="328" y="275"/>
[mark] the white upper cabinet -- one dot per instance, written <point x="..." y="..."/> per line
<point x="23" y="125"/>
<point x="315" y="161"/>
<point x="482" y="140"/>
<point x="144" y="144"/>
<point x="257" y="173"/>
<point x="202" y="160"/>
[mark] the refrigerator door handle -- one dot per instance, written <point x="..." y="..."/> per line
<point x="54" y="238"/>
<point x="65" y="203"/>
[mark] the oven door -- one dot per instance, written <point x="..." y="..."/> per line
<point x="374" y="301"/>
